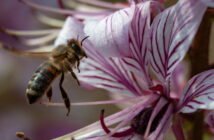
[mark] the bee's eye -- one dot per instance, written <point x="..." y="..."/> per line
<point x="76" y="48"/>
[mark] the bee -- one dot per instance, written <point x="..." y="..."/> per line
<point x="61" y="60"/>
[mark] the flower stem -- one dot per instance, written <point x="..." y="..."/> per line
<point x="199" y="56"/>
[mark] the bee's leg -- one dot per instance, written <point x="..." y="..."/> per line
<point x="72" y="73"/>
<point x="74" y="76"/>
<point x="78" y="62"/>
<point x="49" y="94"/>
<point x="64" y="94"/>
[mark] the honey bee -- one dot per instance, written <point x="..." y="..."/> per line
<point x="62" y="59"/>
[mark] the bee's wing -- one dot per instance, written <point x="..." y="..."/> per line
<point x="59" y="51"/>
<point x="38" y="52"/>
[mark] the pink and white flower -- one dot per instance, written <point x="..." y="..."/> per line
<point x="123" y="49"/>
<point x="136" y="52"/>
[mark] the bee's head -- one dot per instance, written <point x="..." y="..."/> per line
<point x="77" y="47"/>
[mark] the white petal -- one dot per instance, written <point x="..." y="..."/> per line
<point x="172" y="33"/>
<point x="139" y="36"/>
<point x="110" y="35"/>
<point x="198" y="93"/>
<point x="72" y="29"/>
<point x="108" y="73"/>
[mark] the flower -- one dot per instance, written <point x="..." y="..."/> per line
<point x="123" y="49"/>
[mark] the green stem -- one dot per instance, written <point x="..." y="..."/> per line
<point x="199" y="56"/>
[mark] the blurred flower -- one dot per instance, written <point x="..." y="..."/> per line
<point x="122" y="48"/>
<point x="81" y="10"/>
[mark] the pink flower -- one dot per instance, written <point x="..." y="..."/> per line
<point x="135" y="52"/>
<point x="123" y="49"/>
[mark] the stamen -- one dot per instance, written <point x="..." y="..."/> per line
<point x="29" y="52"/>
<point x="139" y="107"/>
<point x="61" y="11"/>
<point x="157" y="110"/>
<point x="28" y="33"/>
<point x="53" y="22"/>
<point x="41" y="40"/>
<point x="118" y="134"/>
<point x="103" y="4"/>
<point x="164" y="122"/>
<point x="96" y="102"/>
<point x="112" y="119"/>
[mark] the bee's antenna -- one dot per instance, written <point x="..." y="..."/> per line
<point x="84" y="39"/>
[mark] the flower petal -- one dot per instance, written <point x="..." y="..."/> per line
<point x="110" y="35"/>
<point x="198" y="93"/>
<point x="179" y="80"/>
<point x="138" y="34"/>
<point x="108" y="73"/>
<point x="171" y="35"/>
<point x="71" y="29"/>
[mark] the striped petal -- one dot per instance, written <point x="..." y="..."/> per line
<point x="110" y="35"/>
<point x="171" y="35"/>
<point x="198" y="93"/>
<point x="108" y="73"/>
<point x="138" y="34"/>
<point x="97" y="71"/>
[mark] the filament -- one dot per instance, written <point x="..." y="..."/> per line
<point x="53" y="22"/>
<point x="27" y="32"/>
<point x="95" y="103"/>
<point x="103" y="4"/>
<point x="62" y="11"/>
<point x="41" y="40"/>
<point x="118" y="134"/>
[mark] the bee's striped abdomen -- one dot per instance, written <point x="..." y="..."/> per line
<point x="41" y="80"/>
